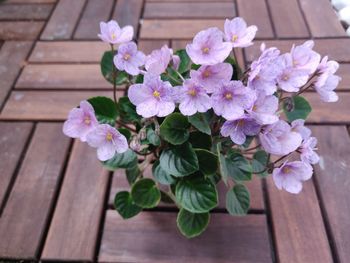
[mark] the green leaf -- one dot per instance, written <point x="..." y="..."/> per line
<point x="201" y="122"/>
<point x="152" y="137"/>
<point x="185" y="61"/>
<point x="200" y="140"/>
<point x="191" y="224"/>
<point x="179" y="160"/>
<point x="260" y="160"/>
<point x="105" y="109"/>
<point x="238" y="200"/>
<point x="145" y="193"/>
<point x="121" y="160"/>
<point x="125" y="206"/>
<point x="296" y="108"/>
<point x="174" y="128"/>
<point x="165" y="198"/>
<point x="132" y="173"/>
<point x="234" y="165"/>
<point x="208" y="162"/>
<point x="125" y="132"/>
<point x="237" y="71"/>
<point x="162" y="176"/>
<point x="127" y="111"/>
<point x="196" y="194"/>
<point x="222" y="163"/>
<point x="107" y="69"/>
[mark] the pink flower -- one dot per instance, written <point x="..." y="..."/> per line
<point x="158" y="60"/>
<point x="307" y="149"/>
<point x="129" y="58"/>
<point x="304" y="58"/>
<point x="108" y="141"/>
<point x="299" y="126"/>
<point x="80" y="121"/>
<point x="152" y="98"/>
<point x="111" y="33"/>
<point x="210" y="77"/>
<point x="237" y="32"/>
<point x="264" y="109"/>
<point x="291" y="175"/>
<point x="208" y="47"/>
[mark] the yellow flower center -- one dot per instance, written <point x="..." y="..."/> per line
<point x="113" y="36"/>
<point x="295" y="63"/>
<point x="87" y="120"/>
<point x="109" y="136"/>
<point x="156" y="94"/>
<point x="126" y="56"/>
<point x="286" y="170"/>
<point x="254" y="108"/>
<point x="285" y="77"/>
<point x="234" y="38"/>
<point x="205" y="50"/>
<point x="206" y="73"/>
<point x="228" y="95"/>
<point x="240" y="123"/>
<point x="192" y="92"/>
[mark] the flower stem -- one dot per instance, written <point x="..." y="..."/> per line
<point x="114" y="77"/>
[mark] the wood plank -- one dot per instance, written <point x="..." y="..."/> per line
<point x="30" y="1"/>
<point x="58" y="76"/>
<point x="288" y="19"/>
<point x="89" y="24"/>
<point x="68" y="51"/>
<point x="148" y="236"/>
<point x="45" y="105"/>
<point x="25" y="217"/>
<point x="247" y="10"/>
<point x="332" y="180"/>
<point x="187" y="1"/>
<point x="296" y="221"/>
<point x="128" y="12"/>
<point x="189" y="10"/>
<point x="322" y="19"/>
<point x="177" y="28"/>
<point x="147" y="46"/>
<point x="63" y="20"/>
<point x="12" y="59"/>
<point x="13" y="138"/>
<point x="75" y="224"/>
<point x="20" y="30"/>
<point x="23" y="12"/>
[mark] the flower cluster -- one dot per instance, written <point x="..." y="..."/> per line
<point x="201" y="89"/>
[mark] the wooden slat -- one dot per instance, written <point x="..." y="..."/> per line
<point x="20" y="30"/>
<point x="45" y="105"/>
<point x="68" y="51"/>
<point x="12" y="58"/>
<point x="30" y="1"/>
<point x="298" y="226"/>
<point x="62" y="21"/>
<point x="332" y="180"/>
<point x="13" y="138"/>
<point x="322" y="19"/>
<point x="247" y="9"/>
<point x="22" y="12"/>
<point x="25" y="217"/>
<point x="87" y="76"/>
<point x="89" y="24"/>
<point x="176" y="29"/>
<point x="148" y="237"/>
<point x="128" y="12"/>
<point x="75" y="224"/>
<point x="187" y="1"/>
<point x="189" y="10"/>
<point x="147" y="46"/>
<point x="288" y="19"/>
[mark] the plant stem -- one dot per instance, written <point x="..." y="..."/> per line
<point x="175" y="80"/>
<point x="114" y="77"/>
<point x="122" y="124"/>
<point x="251" y="149"/>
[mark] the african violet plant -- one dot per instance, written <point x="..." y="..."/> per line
<point x="193" y="115"/>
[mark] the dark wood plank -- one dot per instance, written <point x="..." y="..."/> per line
<point x="12" y="59"/>
<point x="89" y="24"/>
<point x="13" y="138"/>
<point x="63" y="20"/>
<point x="30" y="1"/>
<point x="75" y="224"/>
<point x="322" y="19"/>
<point x="147" y="46"/>
<point x="26" y="213"/>
<point x="128" y="12"/>
<point x="332" y="180"/>
<point x="68" y="51"/>
<point x="189" y="10"/>
<point x="288" y="19"/>
<point x="23" y="12"/>
<point x="187" y="1"/>
<point x="58" y="76"/>
<point x="298" y="225"/>
<point x="148" y="237"/>
<point x="20" y="30"/>
<point x="247" y="9"/>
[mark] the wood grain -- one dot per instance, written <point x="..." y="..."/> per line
<point x="128" y="12"/>
<point x="23" y="12"/>
<point x="20" y="30"/>
<point x="147" y="46"/>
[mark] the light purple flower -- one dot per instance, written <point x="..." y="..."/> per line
<point x="304" y="58"/>
<point x="111" y="33"/>
<point x="239" y="129"/>
<point x="208" y="47"/>
<point x="152" y="98"/>
<point x="237" y="32"/>
<point x="307" y="149"/>
<point x="299" y="126"/>
<point x="108" y="141"/>
<point x="211" y="76"/>
<point x="129" y="58"/>
<point x="193" y="98"/>
<point x="279" y="139"/>
<point x="264" y="109"/>
<point x="231" y="99"/>
<point x="291" y="175"/>
<point x="80" y="121"/>
<point x="159" y="59"/>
